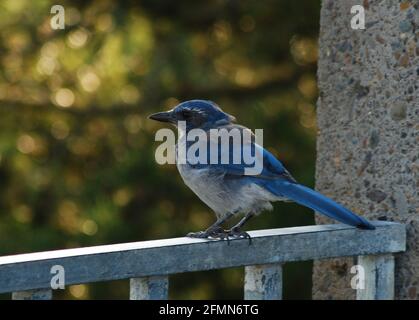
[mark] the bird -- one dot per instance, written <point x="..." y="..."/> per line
<point x="226" y="188"/>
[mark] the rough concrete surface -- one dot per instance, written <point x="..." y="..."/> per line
<point x="368" y="119"/>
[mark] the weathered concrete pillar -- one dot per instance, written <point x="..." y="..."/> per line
<point x="368" y="119"/>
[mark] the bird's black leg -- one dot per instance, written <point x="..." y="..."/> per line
<point x="236" y="232"/>
<point x="214" y="231"/>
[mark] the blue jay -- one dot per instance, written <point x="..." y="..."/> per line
<point x="225" y="187"/>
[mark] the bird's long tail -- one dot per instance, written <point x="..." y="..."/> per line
<point x="318" y="202"/>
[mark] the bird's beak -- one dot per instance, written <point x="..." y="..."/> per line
<point x="163" y="117"/>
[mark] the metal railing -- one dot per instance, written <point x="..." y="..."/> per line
<point x="148" y="264"/>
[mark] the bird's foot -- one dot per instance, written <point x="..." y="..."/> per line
<point x="220" y="233"/>
<point x="237" y="233"/>
<point x="215" y="233"/>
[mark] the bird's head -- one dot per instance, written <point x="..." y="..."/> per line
<point x="196" y="113"/>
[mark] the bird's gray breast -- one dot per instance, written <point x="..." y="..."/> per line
<point x="225" y="195"/>
<point x="206" y="185"/>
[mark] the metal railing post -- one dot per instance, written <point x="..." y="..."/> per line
<point x="149" y="288"/>
<point x="379" y="277"/>
<point x="37" y="294"/>
<point x="263" y="282"/>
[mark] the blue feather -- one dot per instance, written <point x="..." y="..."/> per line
<point x="318" y="202"/>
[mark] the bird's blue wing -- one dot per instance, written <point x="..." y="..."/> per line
<point x="271" y="168"/>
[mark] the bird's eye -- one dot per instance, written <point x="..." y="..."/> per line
<point x="186" y="114"/>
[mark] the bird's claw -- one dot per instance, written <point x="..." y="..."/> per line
<point x="219" y="233"/>
<point x="236" y="233"/>
<point x="216" y="233"/>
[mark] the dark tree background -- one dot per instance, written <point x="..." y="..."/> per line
<point x="77" y="161"/>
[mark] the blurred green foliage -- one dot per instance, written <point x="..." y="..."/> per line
<point x="77" y="161"/>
